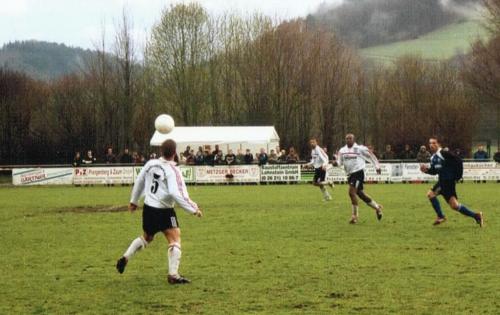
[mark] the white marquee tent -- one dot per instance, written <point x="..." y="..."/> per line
<point x="253" y="138"/>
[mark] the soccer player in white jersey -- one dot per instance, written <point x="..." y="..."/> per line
<point x="353" y="156"/>
<point x="319" y="160"/>
<point x="162" y="184"/>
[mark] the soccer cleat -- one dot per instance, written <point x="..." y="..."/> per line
<point x="354" y="220"/>
<point x="120" y="264"/>
<point x="327" y="198"/>
<point x="379" y="212"/>
<point x="178" y="279"/>
<point x="439" y="220"/>
<point x="479" y="219"/>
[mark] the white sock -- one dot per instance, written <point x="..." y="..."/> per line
<point x="174" y="258"/>
<point x="373" y="204"/>
<point x="324" y="191"/>
<point x="355" y="210"/>
<point x="136" y="245"/>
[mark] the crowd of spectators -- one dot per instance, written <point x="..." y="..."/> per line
<point x="110" y="158"/>
<point x="206" y="156"/>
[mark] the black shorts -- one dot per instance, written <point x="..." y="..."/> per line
<point x="155" y="220"/>
<point x="446" y="188"/>
<point x="357" y="179"/>
<point x="319" y="175"/>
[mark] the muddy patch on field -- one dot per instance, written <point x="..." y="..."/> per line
<point x="94" y="209"/>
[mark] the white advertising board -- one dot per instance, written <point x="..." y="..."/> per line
<point x="103" y="175"/>
<point x="280" y="173"/>
<point x="227" y="174"/>
<point x="42" y="176"/>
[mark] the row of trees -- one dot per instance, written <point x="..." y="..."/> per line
<point x="228" y="70"/>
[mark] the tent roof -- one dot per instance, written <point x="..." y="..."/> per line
<point x="218" y="135"/>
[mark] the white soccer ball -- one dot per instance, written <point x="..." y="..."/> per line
<point x="164" y="123"/>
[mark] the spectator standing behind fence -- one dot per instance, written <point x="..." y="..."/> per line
<point x="423" y="156"/>
<point x="216" y="151"/>
<point x="199" y="158"/>
<point x="292" y="156"/>
<point x="126" y="158"/>
<point x="262" y="157"/>
<point x="89" y="158"/>
<point x="230" y="158"/>
<point x="248" y="157"/>
<point x="187" y="152"/>
<point x="480" y="154"/>
<point x="209" y="158"/>
<point x="388" y="153"/>
<point x="190" y="158"/>
<point x="110" y="157"/>
<point x="273" y="157"/>
<point x="282" y="157"/>
<point x="407" y="153"/>
<point x="77" y="160"/>
<point x="219" y="158"/>
<point x="496" y="156"/>
<point x="240" y="157"/>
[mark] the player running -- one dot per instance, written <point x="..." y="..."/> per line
<point x="319" y="160"/>
<point x="442" y="164"/>
<point x="162" y="183"/>
<point x="353" y="157"/>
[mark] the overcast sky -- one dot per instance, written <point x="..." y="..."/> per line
<point x="79" y="22"/>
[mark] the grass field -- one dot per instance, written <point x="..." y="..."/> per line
<point x="258" y="250"/>
<point x="443" y="43"/>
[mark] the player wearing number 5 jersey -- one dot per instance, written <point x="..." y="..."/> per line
<point x="161" y="182"/>
<point x="353" y="157"/>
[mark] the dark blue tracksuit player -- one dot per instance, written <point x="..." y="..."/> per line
<point x="442" y="165"/>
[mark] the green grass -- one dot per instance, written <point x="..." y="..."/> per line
<point x="443" y="43"/>
<point x="258" y="250"/>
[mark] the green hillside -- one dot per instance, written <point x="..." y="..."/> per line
<point x="443" y="43"/>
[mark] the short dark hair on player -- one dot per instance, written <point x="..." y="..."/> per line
<point x="168" y="148"/>
<point x="438" y="139"/>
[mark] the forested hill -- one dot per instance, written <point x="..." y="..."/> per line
<point x="366" y="23"/>
<point x="42" y="60"/>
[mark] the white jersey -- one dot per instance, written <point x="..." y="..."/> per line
<point x="162" y="184"/>
<point x="354" y="158"/>
<point x="318" y="157"/>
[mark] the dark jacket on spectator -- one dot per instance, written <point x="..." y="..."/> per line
<point x="480" y="155"/>
<point x="496" y="157"/>
<point x="230" y="159"/>
<point x="77" y="161"/>
<point x="248" y="158"/>
<point x="126" y="158"/>
<point x="110" y="158"/>
<point x="407" y="155"/>
<point x="263" y="158"/>
<point x="199" y="159"/>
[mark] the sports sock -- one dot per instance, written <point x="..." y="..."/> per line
<point x="136" y="245"/>
<point x="373" y="204"/>
<point x="174" y="258"/>
<point x="324" y="191"/>
<point x="437" y="207"/>
<point x="463" y="210"/>
<point x="355" y="210"/>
